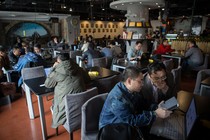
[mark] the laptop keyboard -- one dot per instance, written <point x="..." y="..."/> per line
<point x="174" y="127"/>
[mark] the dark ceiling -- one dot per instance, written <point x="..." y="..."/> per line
<point x="100" y="10"/>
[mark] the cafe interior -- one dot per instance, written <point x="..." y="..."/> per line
<point x="25" y="109"/>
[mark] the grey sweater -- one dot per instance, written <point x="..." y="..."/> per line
<point x="194" y="55"/>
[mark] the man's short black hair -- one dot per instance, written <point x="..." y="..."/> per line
<point x="63" y="56"/>
<point x="37" y="45"/>
<point x="156" y="66"/>
<point x="131" y="72"/>
<point x="139" y="41"/>
<point x="2" y="49"/>
<point x="112" y="42"/>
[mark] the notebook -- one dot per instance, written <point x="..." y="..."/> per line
<point x="176" y="127"/>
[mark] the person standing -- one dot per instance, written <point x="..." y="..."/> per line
<point x="4" y="61"/>
<point x="14" y="55"/>
<point x="67" y="78"/>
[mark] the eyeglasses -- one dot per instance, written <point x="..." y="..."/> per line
<point x="159" y="78"/>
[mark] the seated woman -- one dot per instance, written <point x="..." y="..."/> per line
<point x="164" y="48"/>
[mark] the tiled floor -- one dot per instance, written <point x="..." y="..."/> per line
<point x="16" y="125"/>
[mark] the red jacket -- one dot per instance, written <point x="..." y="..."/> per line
<point x="163" y="49"/>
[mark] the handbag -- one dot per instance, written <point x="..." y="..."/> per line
<point x="119" y="131"/>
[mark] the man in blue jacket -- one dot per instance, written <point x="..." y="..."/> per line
<point x="125" y="105"/>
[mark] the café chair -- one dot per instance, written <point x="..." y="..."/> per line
<point x="201" y="75"/>
<point x="73" y="54"/>
<point x="169" y="64"/>
<point x="100" y="62"/>
<point x="90" y="116"/>
<point x="32" y="72"/>
<point x="73" y="104"/>
<point x="204" y="65"/>
<point x="177" y="77"/>
<point x="106" y="84"/>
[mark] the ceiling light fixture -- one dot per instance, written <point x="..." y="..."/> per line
<point x="140" y="2"/>
<point x="103" y="9"/>
<point x="70" y="9"/>
<point x="149" y="8"/>
<point x="131" y="3"/>
<point x="163" y="9"/>
<point x="159" y="6"/>
<point x="156" y="3"/>
<point x="122" y="4"/>
<point x="33" y="3"/>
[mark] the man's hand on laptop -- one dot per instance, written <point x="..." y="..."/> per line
<point x="162" y="112"/>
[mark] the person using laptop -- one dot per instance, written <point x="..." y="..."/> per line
<point x="67" y="78"/>
<point x="135" y="52"/>
<point x="158" y="85"/>
<point x="124" y="103"/>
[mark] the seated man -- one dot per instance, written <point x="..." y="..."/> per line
<point x="14" y="55"/>
<point x="125" y="105"/>
<point x="193" y="57"/>
<point x="67" y="78"/>
<point x="158" y="85"/>
<point x="89" y="55"/>
<point x="135" y="52"/>
<point x="164" y="48"/>
<point x="4" y="61"/>
<point x="44" y="54"/>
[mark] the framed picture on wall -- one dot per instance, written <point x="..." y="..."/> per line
<point x="96" y="25"/>
<point x="89" y="30"/>
<point x="99" y="30"/>
<point x="110" y="30"/>
<point x="107" y="30"/>
<point x="85" y="30"/>
<point x="101" y="26"/>
<point x="82" y="25"/>
<point x="87" y="25"/>
<point x="94" y="30"/>
<point x="92" y="25"/>
<point x="115" y="30"/>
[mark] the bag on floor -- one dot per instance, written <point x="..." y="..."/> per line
<point x="8" y="88"/>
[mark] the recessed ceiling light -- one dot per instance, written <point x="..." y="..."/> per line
<point x="64" y="6"/>
<point x="130" y="3"/>
<point x="140" y="2"/>
<point x="156" y="3"/>
<point x="91" y="5"/>
<point x="115" y="6"/>
<point x="70" y="9"/>
<point x="149" y="8"/>
<point x="103" y="9"/>
<point x="122" y="3"/>
<point x="163" y="9"/>
<point x="33" y="3"/>
<point x="159" y="6"/>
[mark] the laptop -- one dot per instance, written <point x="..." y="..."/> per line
<point x="176" y="127"/>
<point x="145" y="56"/>
<point x="47" y="71"/>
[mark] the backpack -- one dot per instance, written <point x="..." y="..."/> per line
<point x="119" y="131"/>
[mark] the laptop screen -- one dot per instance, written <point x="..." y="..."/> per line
<point x="190" y="116"/>
<point x="47" y="71"/>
